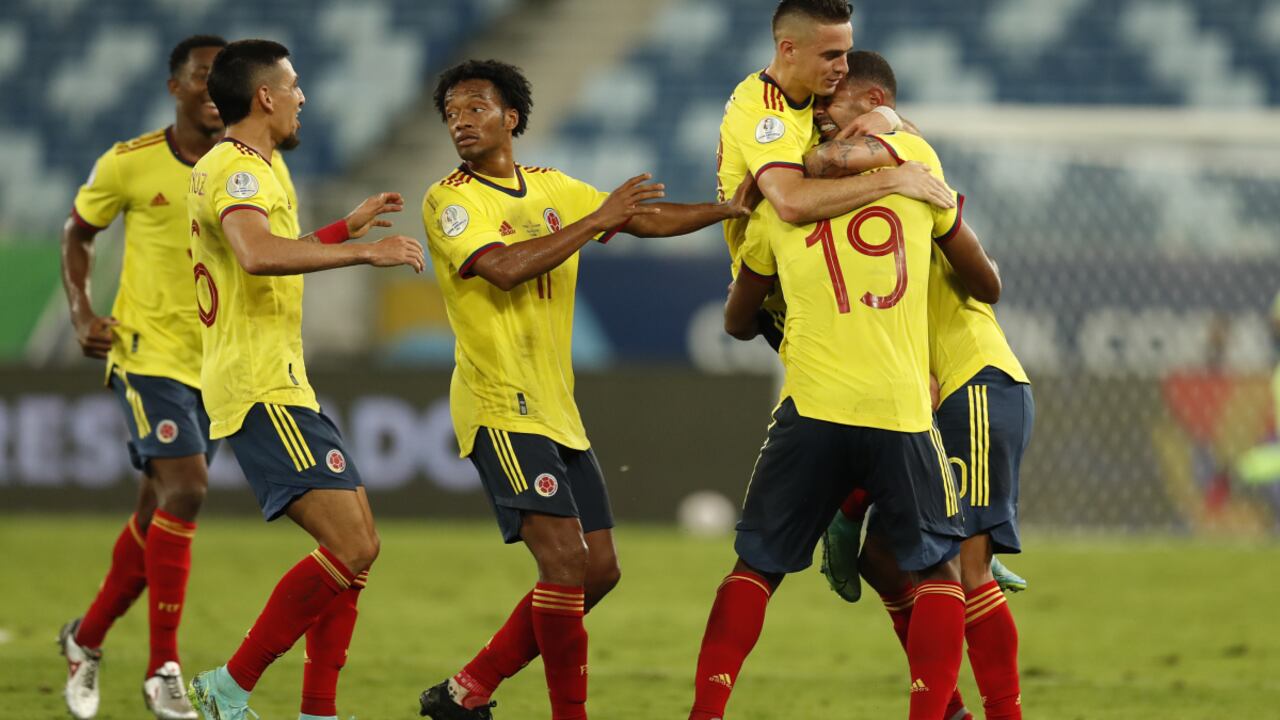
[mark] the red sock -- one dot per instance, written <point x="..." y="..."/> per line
<point x="855" y="506"/>
<point x="557" y="612"/>
<point x="514" y="645"/>
<point x="899" y="607"/>
<point x="327" y="642"/>
<point x="125" y="581"/>
<point x="993" y="652"/>
<point x="737" y="616"/>
<point x="935" y="647"/>
<point x="299" y="598"/>
<point x="168" y="566"/>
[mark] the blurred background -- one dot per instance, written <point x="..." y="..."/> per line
<point x="1121" y="161"/>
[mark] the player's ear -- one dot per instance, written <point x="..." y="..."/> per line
<point x="510" y="118"/>
<point x="876" y="95"/>
<point x="263" y="96"/>
<point x="173" y="86"/>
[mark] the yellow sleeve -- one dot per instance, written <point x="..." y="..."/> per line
<point x="905" y="147"/>
<point x="768" y="138"/>
<point x="238" y="186"/>
<point x="756" y="254"/>
<point x="102" y="196"/>
<point x="457" y="229"/>
<point x="580" y="200"/>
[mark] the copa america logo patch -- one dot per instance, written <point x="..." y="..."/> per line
<point x="454" y="220"/>
<point x="335" y="460"/>
<point x="770" y="129"/>
<point x="546" y="485"/>
<point x="166" y="431"/>
<point x="553" y="221"/>
<point x="242" y="185"/>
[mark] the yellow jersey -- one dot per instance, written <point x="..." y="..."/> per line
<point x="252" y="324"/>
<point x="146" y="179"/>
<point x="762" y="129"/>
<point x="856" y="341"/>
<point x="513" y="354"/>
<point x="964" y="336"/>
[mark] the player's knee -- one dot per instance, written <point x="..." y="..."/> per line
<point x="563" y="562"/>
<point x="603" y="580"/>
<point x="975" y="575"/>
<point x="184" y="500"/>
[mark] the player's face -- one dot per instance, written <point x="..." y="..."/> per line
<point x="287" y="101"/>
<point x="850" y="100"/>
<point x="190" y="87"/>
<point x="819" y="58"/>
<point x="477" y="120"/>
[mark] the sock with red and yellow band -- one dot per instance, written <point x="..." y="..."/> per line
<point x="328" y="640"/>
<point x="899" y="607"/>
<point x="125" y="581"/>
<point x="737" y="617"/>
<point x="993" y="652"/>
<point x="935" y="647"/>
<point x="168" y="567"/>
<point x="557" y="612"/>
<point x="510" y="649"/>
<point x="297" y="601"/>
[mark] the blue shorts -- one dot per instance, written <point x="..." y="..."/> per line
<point x="986" y="427"/>
<point x="523" y="472"/>
<point x="166" y="418"/>
<point x="808" y="467"/>
<point x="286" y="450"/>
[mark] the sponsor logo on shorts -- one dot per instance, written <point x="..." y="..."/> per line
<point x="546" y="485"/>
<point x="336" y="461"/>
<point x="167" y="431"/>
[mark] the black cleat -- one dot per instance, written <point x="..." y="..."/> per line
<point x="437" y="704"/>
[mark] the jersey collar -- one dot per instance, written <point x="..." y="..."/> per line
<point x="242" y="146"/>
<point x="173" y="147"/>
<point x="519" y="192"/>
<point x="766" y="78"/>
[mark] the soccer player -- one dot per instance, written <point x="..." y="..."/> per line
<point x="855" y="412"/>
<point x="151" y="342"/>
<point x="249" y="256"/>
<point x="768" y="126"/>
<point x="985" y="415"/>
<point x="504" y="241"/>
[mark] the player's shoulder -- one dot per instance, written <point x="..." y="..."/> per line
<point x="909" y="146"/>
<point x="447" y="188"/>
<point x="546" y="177"/>
<point x="154" y="139"/>
<point x="229" y="156"/>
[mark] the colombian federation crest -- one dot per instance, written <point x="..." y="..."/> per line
<point x="770" y="129"/>
<point x="242" y="185"/>
<point x="166" y="431"/>
<point x="546" y="485"/>
<point x="552" y="219"/>
<point x="454" y="220"/>
<point x="335" y="461"/>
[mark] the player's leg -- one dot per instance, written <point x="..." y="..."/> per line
<point x="294" y="460"/>
<point x="798" y="483"/>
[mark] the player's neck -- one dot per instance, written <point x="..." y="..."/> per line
<point x="498" y="164"/>
<point x="255" y="135"/>
<point x="791" y="86"/>
<point x="191" y="141"/>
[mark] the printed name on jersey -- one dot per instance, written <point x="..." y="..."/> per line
<point x="552" y="219"/>
<point x="454" y="220"/>
<point x="769" y="129"/>
<point x="242" y="185"/>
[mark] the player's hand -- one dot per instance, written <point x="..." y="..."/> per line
<point x="94" y="335"/>
<point x="872" y="123"/>
<point x="914" y="180"/>
<point x="628" y="201"/>
<point x="745" y="198"/>
<point x="396" y="250"/>
<point x="365" y="216"/>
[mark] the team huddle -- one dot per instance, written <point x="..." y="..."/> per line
<point x="903" y="408"/>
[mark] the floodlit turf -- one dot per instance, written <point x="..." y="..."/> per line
<point x="1136" y="629"/>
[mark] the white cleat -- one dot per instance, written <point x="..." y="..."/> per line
<point x="81" y="692"/>
<point x="166" y="694"/>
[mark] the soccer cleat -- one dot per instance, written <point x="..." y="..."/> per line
<point x="1008" y="581"/>
<point x="961" y="714"/>
<point x="840" y="556"/>
<point x="83" y="664"/>
<point x="214" y="704"/>
<point x="165" y="695"/>
<point x="438" y="704"/>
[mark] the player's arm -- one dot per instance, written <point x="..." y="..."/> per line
<point x="843" y="157"/>
<point x="673" y="219"/>
<point x="92" y="332"/>
<point x="799" y="199"/>
<point x="977" y="271"/>
<point x="742" y="309"/>
<point x="260" y="252"/>
<point x="508" y="266"/>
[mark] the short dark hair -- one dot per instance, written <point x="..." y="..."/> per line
<point x="513" y="87"/>
<point x="827" y="11"/>
<point x="235" y="73"/>
<point x="182" y="51"/>
<point x="870" y="66"/>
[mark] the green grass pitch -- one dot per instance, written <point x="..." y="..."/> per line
<point x="1145" y="629"/>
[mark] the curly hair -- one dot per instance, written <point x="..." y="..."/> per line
<point x="513" y="87"/>
<point x="182" y="51"/>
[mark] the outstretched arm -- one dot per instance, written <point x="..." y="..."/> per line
<point x="977" y="271"/>
<point x="799" y="199"/>
<point x="673" y="219"/>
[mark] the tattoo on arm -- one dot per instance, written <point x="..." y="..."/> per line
<point x="873" y="144"/>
